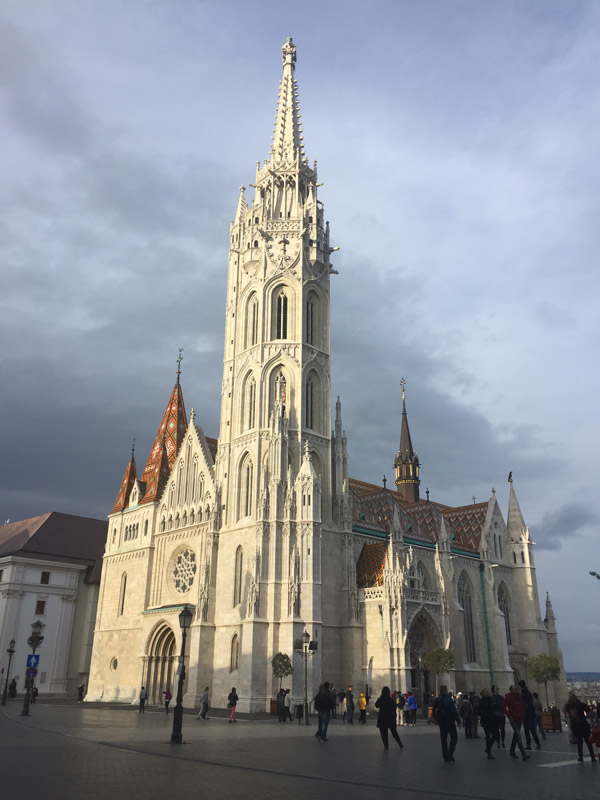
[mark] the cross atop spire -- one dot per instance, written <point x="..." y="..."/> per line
<point x="287" y="142"/>
<point x="179" y="360"/>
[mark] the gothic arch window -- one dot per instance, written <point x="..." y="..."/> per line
<point x="496" y="545"/>
<point x="235" y="653"/>
<point x="310" y="319"/>
<point x="201" y="486"/>
<point x="309" y="393"/>
<point x="245" y="487"/>
<point x="184" y="519"/>
<point x="237" y="576"/>
<point x="504" y="606"/>
<point x="281" y="320"/>
<point x="423" y="576"/>
<point x="146" y="528"/>
<point x="172" y="494"/>
<point x="514" y="557"/>
<point x="523" y="556"/>
<point x="251" y="334"/>
<point x="170" y="523"/>
<point x="500" y="545"/>
<point x="249" y="406"/>
<point x="122" y="593"/>
<point x="464" y="598"/>
<point x="194" y="486"/>
<point x="281" y="388"/>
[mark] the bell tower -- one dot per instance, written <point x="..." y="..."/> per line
<point x="407" y="461"/>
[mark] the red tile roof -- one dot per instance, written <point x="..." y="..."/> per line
<point x="371" y="562"/>
<point x="126" y="486"/>
<point x="165" y="447"/>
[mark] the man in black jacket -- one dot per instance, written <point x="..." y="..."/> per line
<point x="529" y="720"/>
<point x="323" y="708"/>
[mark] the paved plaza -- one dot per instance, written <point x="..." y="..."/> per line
<point x="64" y="750"/>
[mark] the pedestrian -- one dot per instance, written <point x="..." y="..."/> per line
<point x="168" y="698"/>
<point x="465" y="711"/>
<point x="578" y="714"/>
<point x="400" y="703"/>
<point x="281" y="706"/>
<point x="34" y="694"/>
<point x="500" y="716"/>
<point x="529" y="718"/>
<point x="143" y="698"/>
<point x="446" y="716"/>
<point x="80" y="692"/>
<point x="287" y="702"/>
<point x="362" y="707"/>
<point x="333" y="698"/>
<point x="474" y="700"/>
<point x="232" y="701"/>
<point x="203" y="705"/>
<point x="349" y="706"/>
<point x="485" y="709"/>
<point x="411" y="702"/>
<point x="514" y="708"/>
<point x="386" y="718"/>
<point x="537" y="707"/>
<point x="323" y="707"/>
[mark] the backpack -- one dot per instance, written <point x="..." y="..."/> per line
<point x="440" y="712"/>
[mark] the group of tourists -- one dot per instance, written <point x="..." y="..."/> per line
<point x="284" y="706"/>
<point x="522" y="709"/>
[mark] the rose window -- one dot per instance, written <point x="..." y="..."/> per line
<point x="184" y="571"/>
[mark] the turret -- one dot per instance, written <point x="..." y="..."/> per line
<point x="407" y="460"/>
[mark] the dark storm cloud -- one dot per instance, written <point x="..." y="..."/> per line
<point x="562" y="525"/>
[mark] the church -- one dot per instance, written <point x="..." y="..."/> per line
<point x="264" y="534"/>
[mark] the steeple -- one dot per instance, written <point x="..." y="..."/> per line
<point x="129" y="479"/>
<point x="166" y="444"/>
<point x="550" y="619"/>
<point x="517" y="529"/>
<point x="407" y="461"/>
<point x="287" y="142"/>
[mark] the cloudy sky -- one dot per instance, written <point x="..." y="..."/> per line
<point x="458" y="144"/>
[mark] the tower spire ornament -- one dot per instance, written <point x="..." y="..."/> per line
<point x="407" y="460"/>
<point x="179" y="360"/>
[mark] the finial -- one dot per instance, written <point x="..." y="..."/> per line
<point x="384" y="482"/>
<point x="403" y="385"/>
<point x="473" y="499"/>
<point x="427" y="493"/>
<point x="192" y="416"/>
<point x="179" y="360"/>
<point x="510" y="477"/>
<point x="493" y="491"/>
<point x="288" y="52"/>
<point x="132" y="448"/>
<point x="306" y="451"/>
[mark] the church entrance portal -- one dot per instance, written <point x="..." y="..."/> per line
<point x="160" y="664"/>
<point x="423" y="636"/>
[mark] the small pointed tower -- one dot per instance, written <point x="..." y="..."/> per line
<point x="407" y="461"/>
<point x="129" y="479"/>
<point x="166" y="444"/>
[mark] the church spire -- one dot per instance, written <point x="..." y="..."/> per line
<point x="126" y="484"/>
<point x="166" y="444"/>
<point x="407" y="461"/>
<point x="287" y="142"/>
<point x="517" y="528"/>
<point x="550" y="619"/>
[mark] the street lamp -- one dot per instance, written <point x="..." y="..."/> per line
<point x="185" y="620"/>
<point x="11" y="652"/>
<point x="306" y="649"/>
<point x="34" y="642"/>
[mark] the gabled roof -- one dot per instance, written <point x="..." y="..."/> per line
<point x="370" y="566"/>
<point x="57" y="537"/>
<point x="466" y="524"/>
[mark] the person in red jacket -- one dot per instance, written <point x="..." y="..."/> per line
<point x="514" y="708"/>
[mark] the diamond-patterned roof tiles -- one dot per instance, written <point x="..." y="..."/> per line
<point x="165" y="447"/>
<point x="466" y="523"/>
<point x="369" y="569"/>
<point x="126" y="486"/>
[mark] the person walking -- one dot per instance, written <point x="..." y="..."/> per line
<point x="80" y="692"/>
<point x="322" y="704"/>
<point x="362" y="707"/>
<point x="578" y="714"/>
<point x="500" y="716"/>
<point x="411" y="702"/>
<point x="465" y="711"/>
<point x="446" y="716"/>
<point x="537" y="707"/>
<point x="232" y="701"/>
<point x="168" y="698"/>
<point x="34" y="694"/>
<point x="203" y="705"/>
<point x="474" y="700"/>
<point x="529" y="718"/>
<point x="349" y="706"/>
<point x="485" y="709"/>
<point x="386" y="718"/>
<point x="281" y="706"/>
<point x="400" y="703"/>
<point x="143" y="698"/>
<point x="287" y="704"/>
<point x="514" y="708"/>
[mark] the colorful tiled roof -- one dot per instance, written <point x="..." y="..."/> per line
<point x="466" y="524"/>
<point x="126" y="486"/>
<point x="166" y="445"/>
<point x="371" y="562"/>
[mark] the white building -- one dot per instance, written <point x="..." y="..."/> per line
<point x="50" y="571"/>
<point x="263" y="532"/>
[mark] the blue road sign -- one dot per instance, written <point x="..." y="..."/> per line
<point x="33" y="661"/>
<point x="31" y="672"/>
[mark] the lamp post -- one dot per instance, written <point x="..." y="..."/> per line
<point x="306" y="654"/>
<point x="487" y="627"/>
<point x="185" y="620"/>
<point x="34" y="642"/>
<point x="11" y="652"/>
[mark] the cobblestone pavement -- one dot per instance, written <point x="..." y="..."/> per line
<point x="66" y="751"/>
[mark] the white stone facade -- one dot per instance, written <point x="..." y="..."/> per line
<point x="260" y="538"/>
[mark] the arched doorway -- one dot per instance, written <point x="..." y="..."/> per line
<point x="423" y="636"/>
<point x="160" y="663"/>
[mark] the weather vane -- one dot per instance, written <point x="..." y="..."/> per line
<point x="403" y="385"/>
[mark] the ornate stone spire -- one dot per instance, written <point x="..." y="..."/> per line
<point x="287" y="142"/>
<point x="550" y="619"/>
<point x="517" y="529"/>
<point x="407" y="461"/>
